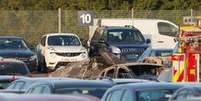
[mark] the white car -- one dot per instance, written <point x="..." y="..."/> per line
<point x="59" y="49"/>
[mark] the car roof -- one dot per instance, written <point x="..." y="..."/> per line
<point x="11" y="77"/>
<point x="75" y="83"/>
<point x="118" y="27"/>
<point x="149" y="85"/>
<point x="52" y="98"/>
<point x="11" y="37"/>
<point x="125" y="81"/>
<point x="138" y="63"/>
<point x="52" y="34"/>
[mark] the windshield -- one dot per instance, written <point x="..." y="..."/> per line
<point x="97" y="92"/>
<point x="13" y="69"/>
<point x="12" y="44"/>
<point x="63" y="40"/>
<point x="124" y="35"/>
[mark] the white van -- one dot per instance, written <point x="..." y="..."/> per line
<point x="161" y="32"/>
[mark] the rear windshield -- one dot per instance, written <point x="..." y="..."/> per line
<point x="124" y="35"/>
<point x="63" y="40"/>
<point x="155" y="95"/>
<point x="12" y="44"/>
<point x="97" y="92"/>
<point x="13" y="69"/>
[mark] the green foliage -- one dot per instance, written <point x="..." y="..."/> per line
<point x="99" y="4"/>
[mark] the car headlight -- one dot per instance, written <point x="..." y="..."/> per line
<point x="84" y="55"/>
<point x="115" y="50"/>
<point x="34" y="57"/>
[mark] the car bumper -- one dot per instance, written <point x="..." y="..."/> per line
<point x="57" y="61"/>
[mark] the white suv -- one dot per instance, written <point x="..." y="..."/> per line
<point x="59" y="49"/>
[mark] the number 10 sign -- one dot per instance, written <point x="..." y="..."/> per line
<point x="85" y="18"/>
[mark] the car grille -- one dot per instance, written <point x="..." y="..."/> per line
<point x="132" y="50"/>
<point x="68" y="54"/>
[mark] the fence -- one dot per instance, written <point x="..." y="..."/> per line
<point x="33" y="24"/>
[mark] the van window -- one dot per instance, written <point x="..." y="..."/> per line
<point x="167" y="29"/>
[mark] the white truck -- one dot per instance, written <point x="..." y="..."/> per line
<point x="59" y="49"/>
<point x="160" y="32"/>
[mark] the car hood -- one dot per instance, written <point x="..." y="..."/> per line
<point x="16" y="53"/>
<point x="75" y="49"/>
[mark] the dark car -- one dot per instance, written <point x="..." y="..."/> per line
<point x="6" y="80"/>
<point x="141" y="92"/>
<point x="11" y="97"/>
<point x="88" y="87"/>
<point x="187" y="93"/>
<point x="125" y="43"/>
<point x="16" y="47"/>
<point x="13" y="67"/>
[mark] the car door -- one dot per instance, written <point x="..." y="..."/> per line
<point x="94" y="45"/>
<point x="41" y="48"/>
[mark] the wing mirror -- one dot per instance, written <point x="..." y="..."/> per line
<point x="101" y="41"/>
<point x="148" y="41"/>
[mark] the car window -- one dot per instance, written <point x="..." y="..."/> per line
<point x="123" y="73"/>
<point x="128" y="96"/>
<point x="124" y="35"/>
<point x="9" y="43"/>
<point x="37" y="90"/>
<point x="167" y="29"/>
<point x="46" y="90"/>
<point x="108" y="97"/>
<point x="63" y="40"/>
<point x="19" y="85"/>
<point x="116" y="95"/>
<point x="110" y="73"/>
<point x="7" y="68"/>
<point x="96" y="91"/>
<point x="4" y="84"/>
<point x="181" y="95"/>
<point x="154" y="95"/>
<point x="43" y="41"/>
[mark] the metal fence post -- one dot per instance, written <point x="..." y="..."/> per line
<point x="59" y="20"/>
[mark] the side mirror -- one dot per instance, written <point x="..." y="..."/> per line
<point x="31" y="47"/>
<point x="101" y="41"/>
<point x="148" y="41"/>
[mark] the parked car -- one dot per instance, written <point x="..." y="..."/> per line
<point x="11" y="97"/>
<point x="6" y="80"/>
<point x="13" y="67"/>
<point x="125" y="43"/>
<point x="141" y="92"/>
<point x="132" y="70"/>
<point x="59" y="49"/>
<point x="16" y="47"/>
<point x="187" y="93"/>
<point x="21" y="85"/>
<point x="87" y="87"/>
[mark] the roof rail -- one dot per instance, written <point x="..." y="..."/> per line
<point x="105" y="78"/>
<point x="129" y="26"/>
